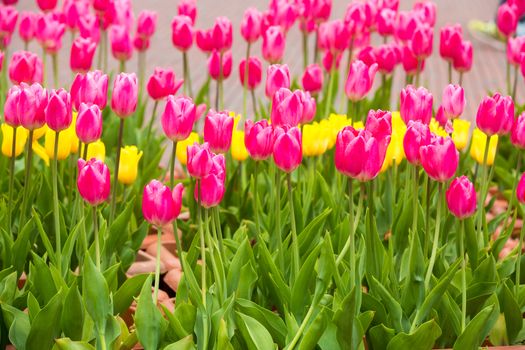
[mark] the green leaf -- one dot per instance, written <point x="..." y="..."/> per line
<point x="478" y="328"/>
<point x="183" y="344"/>
<point x="46" y="325"/>
<point x="41" y="280"/>
<point x="270" y="320"/>
<point x="148" y="319"/>
<point x="8" y="288"/>
<point x="73" y="314"/>
<point x="18" y="324"/>
<point x="223" y="341"/>
<point x="67" y="250"/>
<point x="21" y="246"/>
<point x="300" y="295"/>
<point x="380" y="336"/>
<point x="512" y="312"/>
<point x="118" y="231"/>
<point x="96" y="294"/>
<point x="68" y="344"/>
<point x="310" y="236"/>
<point x="422" y="338"/>
<point x="374" y="248"/>
<point x="43" y="236"/>
<point x="123" y="297"/>
<point x="314" y="331"/>
<point x="254" y="333"/>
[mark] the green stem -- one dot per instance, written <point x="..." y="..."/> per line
<point x="316" y="48"/>
<point x="415" y="199"/>
<point x="328" y="100"/>
<point x="280" y="255"/>
<point x="95" y="235"/>
<point x="508" y="74"/>
<point x="221" y="91"/>
<point x="254" y="105"/>
<point x="187" y="76"/>
<point x="481" y="201"/>
<point x="295" y="244"/>
<point x="463" y="276"/>
<point x="518" y="265"/>
<point x="515" y="84"/>
<point x="427" y="214"/>
<point x="56" y="213"/>
<point x="44" y="68"/>
<point x="142" y="73"/>
<point x="122" y="66"/>
<point x="29" y="165"/>
<point x="203" y="245"/>
<point x="460" y="78"/>
<point x="255" y="204"/>
<point x="217" y="220"/>
<point x="11" y="180"/>
<point x="245" y="84"/>
<point x="514" y="185"/>
<point x="418" y="72"/>
<point x="115" y="175"/>
<point x="300" y="331"/>
<point x="450" y="72"/>
<point x="54" y="59"/>
<point x="435" y="243"/>
<point x="157" y="266"/>
<point x="305" y="49"/>
<point x="151" y="121"/>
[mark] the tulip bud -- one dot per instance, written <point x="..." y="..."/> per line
<point x="82" y="52"/>
<point x="214" y="65"/>
<point x="333" y="36"/>
<point x="121" y="44"/>
<point x="277" y="76"/>
<point x="222" y="34"/>
<point x="178" y="118"/>
<point x="416" y="104"/>
<point x="461" y="198"/>
<point x="160" y="205"/>
<point x="182" y="147"/>
<point x="163" y="83"/>
<point x="8" y="16"/>
<point x="309" y="108"/>
<point x="287" y="107"/>
<point x="462" y="60"/>
<point x="515" y="48"/>
<point x="218" y="128"/>
<point x="517" y="135"/>
<point x="495" y="115"/>
<point x="411" y="64"/>
<point x="49" y="33"/>
<point x="25" y="67"/>
<point x="312" y="79"/>
<point x="439" y="158"/>
<point x="386" y="21"/>
<point x="360" y="80"/>
<point x="129" y="162"/>
<point x="450" y="38"/>
<point x="321" y="10"/>
<point x="507" y="19"/>
<point x="251" y="25"/>
<point x="204" y="40"/>
<point x="146" y="24"/>
<point x="88" y="26"/>
<point x="417" y="135"/>
<point x="520" y="190"/>
<point x="188" y="8"/>
<point x="72" y="11"/>
<point x="422" y="42"/>
<point x="125" y="95"/>
<point x="33" y="117"/>
<point x="287" y="148"/>
<point x="254" y="72"/>
<point x="58" y="110"/>
<point x="379" y="124"/>
<point x="89" y="123"/>
<point x="27" y="26"/>
<point x="211" y="187"/>
<point x="90" y="88"/>
<point x="274" y="43"/>
<point x="93" y="181"/>
<point x="182" y="32"/>
<point x="46" y="5"/>
<point x="199" y="160"/>
<point x="258" y="138"/>
<point x="14" y="107"/>
<point x="453" y="101"/>
<point x="387" y="57"/>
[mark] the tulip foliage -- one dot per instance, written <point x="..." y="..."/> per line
<point x="319" y="218"/>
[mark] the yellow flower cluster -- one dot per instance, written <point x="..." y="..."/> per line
<point x="460" y="133"/>
<point x="395" y="151"/>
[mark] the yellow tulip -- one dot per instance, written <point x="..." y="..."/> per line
<point x="437" y="129"/>
<point x="460" y="133"/>
<point x="38" y="133"/>
<point x="316" y="138"/>
<point x="7" y="140"/>
<point x="129" y="163"/>
<point x="395" y="151"/>
<point x="238" y="149"/>
<point x="477" y="147"/>
<point x="181" y="151"/>
<point x="97" y="150"/>
<point x="66" y="139"/>
<point x="359" y="125"/>
<point x="41" y="152"/>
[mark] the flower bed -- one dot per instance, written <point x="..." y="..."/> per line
<point x="316" y="219"/>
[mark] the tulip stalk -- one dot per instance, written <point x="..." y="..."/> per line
<point x="450" y="72"/>
<point x="95" y="234"/>
<point x="203" y="245"/>
<point x="245" y="85"/>
<point x="142" y="73"/>
<point x="115" y="175"/>
<point x="186" y="73"/>
<point x="151" y="121"/>
<point x="305" y="49"/>
<point x="255" y="204"/>
<point x="56" y="214"/>
<point x="54" y="59"/>
<point x="415" y="199"/>
<point x="481" y="203"/>
<point x="518" y="262"/>
<point x="278" y="220"/>
<point x="29" y="165"/>
<point x="254" y="105"/>
<point x="427" y="213"/>
<point x="157" y="266"/>
<point x="122" y="66"/>
<point x="175" y="226"/>
<point x="515" y="83"/>
<point x="463" y="275"/>
<point x="435" y="242"/>
<point x="328" y="99"/>
<point x="295" y="244"/>
<point x="11" y="179"/>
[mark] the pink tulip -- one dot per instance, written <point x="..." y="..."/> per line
<point x="258" y="138"/>
<point x="462" y="60"/>
<point x="58" y="110"/>
<point x="89" y="123"/>
<point x="333" y="36"/>
<point x="517" y="135"/>
<point x="73" y="10"/>
<point x="141" y="44"/>
<point x="357" y="154"/>
<point x="121" y="44"/>
<point x="93" y="181"/>
<point x="8" y="18"/>
<point x="274" y="43"/>
<point x="439" y="158"/>
<point x="204" y="40"/>
<point x="387" y="57"/>
<point x="495" y="115"/>
<point x="188" y="8"/>
<point x="416" y="136"/>
<point x="426" y="11"/>
<point x="461" y="197"/>
<point x="520" y="190"/>
<point x="515" y="48"/>
<point x="407" y="22"/>
<point x="287" y="107"/>
<point x="146" y="24"/>
<point x="88" y="27"/>
<point x="379" y="124"/>
<point x="305" y="12"/>
<point x="422" y="42"/>
<point x="312" y="79"/>
<point x="218" y="128"/>
<point x="287" y="148"/>
<point x="330" y="62"/>
<point x="178" y="118"/>
<point x="222" y="34"/>
<point x="450" y="38"/>
<point x="214" y="65"/>
<point x="82" y="52"/>
<point x="15" y="106"/>
<point x="163" y="83"/>
<point x="360" y="80"/>
<point x="27" y="26"/>
<point x="453" y="101"/>
<point x="282" y="13"/>
<point x="46" y="5"/>
<point x="355" y="18"/>
<point x="211" y="187"/>
<point x="160" y="205"/>
<point x="49" y="33"/>
<point x="251" y="25"/>
<point x="416" y="104"/>
<point x="367" y="55"/>
<point x="125" y="95"/>
<point x="507" y="19"/>
<point x="182" y="33"/>
<point x="25" y="67"/>
<point x="90" y="88"/>
<point x="411" y="64"/>
<point x="520" y="6"/>
<point x="386" y="22"/>
<point x="277" y="76"/>
<point x="321" y="10"/>
<point x="254" y="72"/>
<point x="31" y="107"/>
<point x="199" y="160"/>
<point x="309" y="108"/>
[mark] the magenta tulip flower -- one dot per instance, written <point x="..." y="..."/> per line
<point x="251" y="24"/>
<point x="93" y="181"/>
<point x="25" y="67"/>
<point x="312" y="79"/>
<point x="333" y="36"/>
<point x="360" y="80"/>
<point x="218" y="128"/>
<point x="58" y="110"/>
<point x="211" y="187"/>
<point x="439" y="158"/>
<point x="182" y="32"/>
<point x="121" y="43"/>
<point x="411" y="65"/>
<point x="277" y="76"/>
<point x="188" y="8"/>
<point x="386" y="21"/>
<point x="507" y="19"/>
<point x="287" y="148"/>
<point x="82" y="52"/>
<point x="416" y="136"/>
<point x="163" y="83"/>
<point x="199" y="160"/>
<point x="461" y="197"/>
<point x="49" y="33"/>
<point x="379" y="124"/>
<point x="287" y="107"/>
<point x="258" y="138"/>
<point x="34" y="116"/>
<point x="274" y="43"/>
<point x="462" y="60"/>
<point x="27" y="26"/>
<point x="453" y="101"/>
<point x="178" y="118"/>
<point x="89" y="123"/>
<point x="214" y="65"/>
<point x="90" y="88"/>
<point x="450" y="38"/>
<point x="515" y="48"/>
<point x="222" y="34"/>
<point x="254" y="72"/>
<point x="422" y="42"/>
<point x="495" y="115"/>
<point x="517" y="135"/>
<point x="520" y="190"/>
<point x="387" y="56"/>
<point x="146" y="24"/>
<point x="46" y="5"/>
<point x="160" y="205"/>
<point x="416" y="104"/>
<point x="125" y="95"/>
